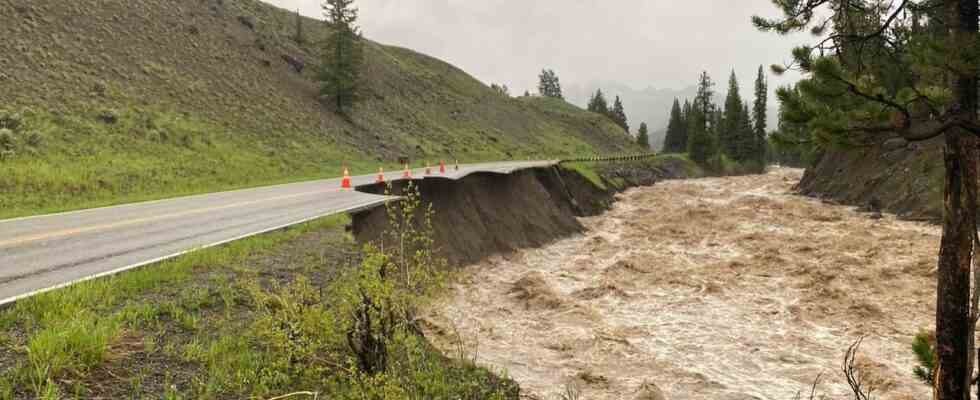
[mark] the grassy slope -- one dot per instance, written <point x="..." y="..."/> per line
<point x="205" y="103"/>
<point x="254" y="319"/>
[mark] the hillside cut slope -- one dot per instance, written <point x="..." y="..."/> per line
<point x="119" y="100"/>
<point x="905" y="180"/>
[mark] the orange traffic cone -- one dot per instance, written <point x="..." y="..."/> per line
<point x="345" y="184"/>
<point x="381" y="175"/>
<point x="442" y="167"/>
<point x="408" y="173"/>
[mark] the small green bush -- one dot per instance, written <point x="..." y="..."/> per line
<point x="34" y="138"/>
<point x="925" y="356"/>
<point x="7" y="140"/>
<point x="108" y="116"/>
<point x="11" y="120"/>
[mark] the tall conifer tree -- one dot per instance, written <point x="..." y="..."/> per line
<point x="675" y="140"/>
<point x="549" y="84"/>
<point x="728" y="134"/>
<point x="618" y="115"/>
<point x="904" y="71"/>
<point x="643" y="136"/>
<point x="343" y="55"/>
<point x="759" y="110"/>
<point x="701" y="143"/>
<point x="598" y="103"/>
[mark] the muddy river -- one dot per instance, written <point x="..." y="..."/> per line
<point x="721" y="288"/>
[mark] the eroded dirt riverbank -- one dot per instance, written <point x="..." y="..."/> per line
<point x="722" y="288"/>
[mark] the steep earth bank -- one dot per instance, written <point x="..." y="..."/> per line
<point x="486" y="214"/>
<point x="718" y="288"/>
<point x="905" y="179"/>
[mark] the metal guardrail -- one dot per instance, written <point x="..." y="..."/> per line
<point x="635" y="157"/>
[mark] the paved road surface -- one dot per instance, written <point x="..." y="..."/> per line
<point x="51" y="251"/>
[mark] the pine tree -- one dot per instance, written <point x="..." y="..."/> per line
<point x="728" y="135"/>
<point x="759" y="109"/>
<point x="685" y="126"/>
<point x="549" y="85"/>
<point x="343" y="55"/>
<point x="618" y="115"/>
<point x="702" y="142"/>
<point x="598" y="103"/>
<point x="674" y="141"/>
<point x="746" y="146"/>
<point x="643" y="136"/>
<point x="903" y="71"/>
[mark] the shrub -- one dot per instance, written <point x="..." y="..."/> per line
<point x="158" y="135"/>
<point x="108" y="116"/>
<point x="7" y="140"/>
<point x="34" y="138"/>
<point x="10" y="120"/>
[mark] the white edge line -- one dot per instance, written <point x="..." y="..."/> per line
<point x="349" y="210"/>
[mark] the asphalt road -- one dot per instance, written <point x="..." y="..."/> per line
<point x="47" y="252"/>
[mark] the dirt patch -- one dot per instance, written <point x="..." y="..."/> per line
<point x="727" y="288"/>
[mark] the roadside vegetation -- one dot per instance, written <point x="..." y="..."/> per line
<point x="301" y="311"/>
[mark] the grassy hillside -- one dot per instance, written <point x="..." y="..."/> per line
<point x="110" y="101"/>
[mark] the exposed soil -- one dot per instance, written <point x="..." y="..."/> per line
<point x="722" y="288"/>
<point x="486" y="214"/>
<point x="905" y="180"/>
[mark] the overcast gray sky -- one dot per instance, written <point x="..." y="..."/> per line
<point x="640" y="43"/>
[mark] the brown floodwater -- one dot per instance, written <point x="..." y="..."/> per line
<point x="721" y="288"/>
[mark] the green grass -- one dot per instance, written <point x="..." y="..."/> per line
<point x="689" y="168"/>
<point x="588" y="171"/>
<point x="596" y="172"/>
<point x="255" y="318"/>
<point x="84" y="163"/>
<point x="70" y="331"/>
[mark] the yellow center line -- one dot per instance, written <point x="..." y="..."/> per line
<point x="69" y="232"/>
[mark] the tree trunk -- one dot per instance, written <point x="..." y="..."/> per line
<point x="953" y="322"/>
<point x="953" y="301"/>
